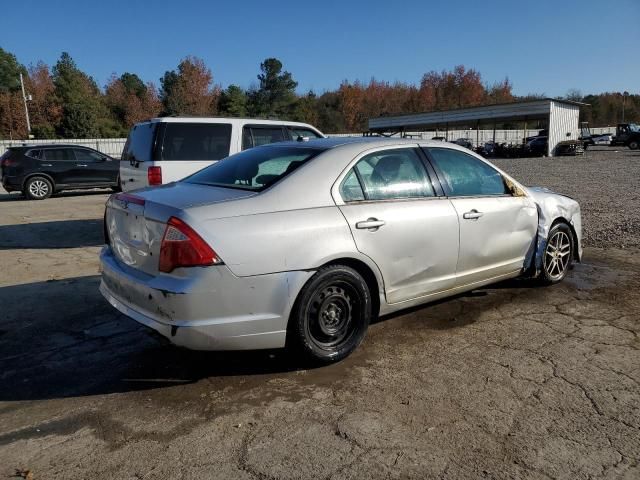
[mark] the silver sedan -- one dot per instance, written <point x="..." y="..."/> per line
<point x="301" y="244"/>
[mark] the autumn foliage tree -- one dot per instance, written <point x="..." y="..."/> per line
<point x="130" y="100"/>
<point x="189" y="90"/>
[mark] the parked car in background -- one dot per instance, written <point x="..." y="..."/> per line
<point x="38" y="171"/>
<point x="536" y="147"/>
<point x="570" y="147"/>
<point x="464" y="142"/>
<point x="303" y="244"/>
<point x="164" y="150"/>
<point x="627" y="134"/>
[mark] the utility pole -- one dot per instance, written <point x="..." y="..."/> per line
<point x="26" y="110"/>
<point x="624" y="96"/>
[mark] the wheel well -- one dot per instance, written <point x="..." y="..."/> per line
<point x="368" y="275"/>
<point x="38" y="174"/>
<point x="573" y="234"/>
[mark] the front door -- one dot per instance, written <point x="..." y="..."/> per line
<point x="398" y="221"/>
<point x="497" y="228"/>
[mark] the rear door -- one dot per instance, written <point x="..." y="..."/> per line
<point x="137" y="156"/>
<point x="399" y="221"/>
<point x="497" y="228"/>
<point x="60" y="164"/>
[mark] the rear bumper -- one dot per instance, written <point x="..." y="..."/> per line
<point x="12" y="184"/>
<point x="211" y="309"/>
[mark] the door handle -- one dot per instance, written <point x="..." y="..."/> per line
<point x="81" y="165"/>
<point x="372" y="224"/>
<point x="45" y="165"/>
<point x="472" y="215"/>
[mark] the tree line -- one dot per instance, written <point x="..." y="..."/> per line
<point x="68" y="103"/>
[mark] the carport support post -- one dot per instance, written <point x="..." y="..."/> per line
<point x="524" y="140"/>
<point x="478" y="133"/>
<point x="494" y="133"/>
<point x="446" y="132"/>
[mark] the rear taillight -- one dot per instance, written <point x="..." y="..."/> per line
<point x="154" y="175"/>
<point x="183" y="247"/>
<point x="7" y="162"/>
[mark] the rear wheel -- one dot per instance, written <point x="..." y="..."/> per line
<point x="634" y="145"/>
<point x="331" y="315"/>
<point x="38" y="188"/>
<point x="558" y="254"/>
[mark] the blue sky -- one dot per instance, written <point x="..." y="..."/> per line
<point x="542" y="46"/>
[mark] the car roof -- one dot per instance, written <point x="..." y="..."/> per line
<point x="48" y="145"/>
<point x="369" y="142"/>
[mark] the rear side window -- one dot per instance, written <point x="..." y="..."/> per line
<point x="59" y="154"/>
<point x="34" y="154"/>
<point x="140" y="143"/>
<point x="254" y="169"/>
<point x="463" y="175"/>
<point x="196" y="141"/>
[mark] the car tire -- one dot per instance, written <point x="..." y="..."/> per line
<point x="38" y="188"/>
<point x="330" y="316"/>
<point x="118" y="186"/>
<point x="634" y="145"/>
<point x="558" y="254"/>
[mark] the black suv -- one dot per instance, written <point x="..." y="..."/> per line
<point x="40" y="170"/>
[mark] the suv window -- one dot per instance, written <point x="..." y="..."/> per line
<point x="254" y="169"/>
<point x="463" y="175"/>
<point x="33" y="153"/>
<point x="262" y="136"/>
<point x="196" y="141"/>
<point x="83" y="155"/>
<point x="140" y="143"/>
<point x="390" y="174"/>
<point x="302" y="132"/>
<point x="59" y="154"/>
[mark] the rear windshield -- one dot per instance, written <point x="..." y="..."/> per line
<point x="140" y="143"/>
<point x="196" y="141"/>
<point x="254" y="169"/>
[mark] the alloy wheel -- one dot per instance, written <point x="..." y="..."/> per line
<point x="557" y="255"/>
<point x="39" y="188"/>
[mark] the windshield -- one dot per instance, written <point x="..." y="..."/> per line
<point x="634" y="128"/>
<point x="254" y="169"/>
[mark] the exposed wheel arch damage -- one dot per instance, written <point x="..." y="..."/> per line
<point x="552" y="208"/>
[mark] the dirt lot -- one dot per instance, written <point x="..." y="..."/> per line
<point x="511" y="381"/>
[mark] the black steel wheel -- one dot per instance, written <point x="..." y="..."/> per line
<point x="331" y="315"/>
<point x="558" y="254"/>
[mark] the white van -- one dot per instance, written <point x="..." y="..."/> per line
<point x="167" y="149"/>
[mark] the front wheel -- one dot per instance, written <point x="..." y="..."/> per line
<point x="331" y="315"/>
<point x="558" y="254"/>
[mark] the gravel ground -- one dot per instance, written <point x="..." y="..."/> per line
<point x="605" y="181"/>
<point x="511" y="381"/>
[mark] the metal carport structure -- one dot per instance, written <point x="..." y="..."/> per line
<point x="561" y="116"/>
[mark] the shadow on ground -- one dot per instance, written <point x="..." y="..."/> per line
<point x="60" y="338"/>
<point x="18" y="197"/>
<point x="56" y="234"/>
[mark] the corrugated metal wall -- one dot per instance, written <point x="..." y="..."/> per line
<point x="563" y="124"/>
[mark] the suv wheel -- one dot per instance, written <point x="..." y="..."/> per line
<point x="38" y="188"/>
<point x="331" y="315"/>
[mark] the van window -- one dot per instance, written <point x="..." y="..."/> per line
<point x="140" y="143"/>
<point x="263" y="136"/>
<point x="196" y="141"/>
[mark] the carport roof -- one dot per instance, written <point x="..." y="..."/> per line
<point x="502" y="112"/>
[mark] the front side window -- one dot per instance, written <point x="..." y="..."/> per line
<point x="266" y="135"/>
<point x="254" y="169"/>
<point x="83" y="155"/>
<point x="465" y="176"/>
<point x="393" y="174"/>
<point x="196" y="141"/>
<point x="59" y="155"/>
<point x="297" y="132"/>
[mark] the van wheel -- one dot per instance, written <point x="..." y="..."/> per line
<point x="38" y="188"/>
<point x="331" y="315"/>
